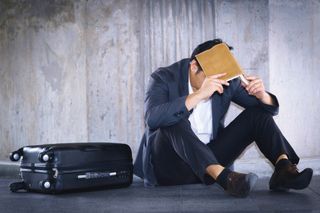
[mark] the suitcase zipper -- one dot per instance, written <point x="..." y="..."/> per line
<point x="56" y="165"/>
<point x="89" y="174"/>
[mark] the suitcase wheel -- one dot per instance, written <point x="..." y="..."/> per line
<point x="14" y="187"/>
<point x="45" y="185"/>
<point x="15" y="156"/>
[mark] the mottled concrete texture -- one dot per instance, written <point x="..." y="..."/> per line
<point x="77" y="70"/>
<point x="294" y="47"/>
<point x="43" y="73"/>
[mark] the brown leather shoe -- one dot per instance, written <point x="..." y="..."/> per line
<point x="239" y="184"/>
<point x="290" y="178"/>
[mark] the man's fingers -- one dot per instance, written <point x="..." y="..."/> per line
<point x="255" y="87"/>
<point x="258" y="90"/>
<point x="219" y="88"/>
<point x="252" y="83"/>
<point x="217" y="80"/>
<point x="226" y="83"/>
<point x="223" y="82"/>
<point x="217" y="75"/>
<point x="251" y="77"/>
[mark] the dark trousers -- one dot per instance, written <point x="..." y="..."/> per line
<point x="179" y="157"/>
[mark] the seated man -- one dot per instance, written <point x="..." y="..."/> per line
<point x="185" y="139"/>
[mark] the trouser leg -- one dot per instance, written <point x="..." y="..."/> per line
<point x="253" y="124"/>
<point x="179" y="157"/>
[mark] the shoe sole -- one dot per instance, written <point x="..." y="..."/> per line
<point x="245" y="189"/>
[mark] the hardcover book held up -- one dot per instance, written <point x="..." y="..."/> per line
<point x="219" y="59"/>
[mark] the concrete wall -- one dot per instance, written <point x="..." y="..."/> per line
<point x="77" y="70"/>
<point x="244" y="24"/>
<point x="294" y="50"/>
<point x="114" y="80"/>
<point x="43" y="75"/>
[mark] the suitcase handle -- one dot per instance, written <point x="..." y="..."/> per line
<point x="91" y="148"/>
<point x="16" y="186"/>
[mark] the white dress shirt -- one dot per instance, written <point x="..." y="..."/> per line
<point x="201" y="118"/>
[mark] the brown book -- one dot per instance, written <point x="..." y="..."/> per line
<point x="219" y="59"/>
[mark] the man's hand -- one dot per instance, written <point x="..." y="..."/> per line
<point x="210" y="85"/>
<point x="256" y="88"/>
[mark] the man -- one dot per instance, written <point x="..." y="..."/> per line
<point x="185" y="139"/>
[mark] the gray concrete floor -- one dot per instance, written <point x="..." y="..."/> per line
<point x="187" y="198"/>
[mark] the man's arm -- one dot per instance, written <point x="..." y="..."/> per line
<point x="267" y="99"/>
<point x="256" y="88"/>
<point x="159" y="111"/>
<point x="210" y="85"/>
<point x="244" y="96"/>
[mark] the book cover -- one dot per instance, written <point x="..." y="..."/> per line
<point x="219" y="59"/>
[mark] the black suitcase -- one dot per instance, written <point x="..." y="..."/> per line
<point x="56" y="168"/>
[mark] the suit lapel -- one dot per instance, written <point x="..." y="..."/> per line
<point x="184" y="74"/>
<point x="215" y="100"/>
<point x="216" y="113"/>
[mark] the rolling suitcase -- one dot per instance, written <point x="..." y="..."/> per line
<point x="56" y="168"/>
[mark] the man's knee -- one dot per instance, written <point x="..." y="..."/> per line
<point x="257" y="117"/>
<point x="181" y="126"/>
<point x="166" y="135"/>
<point x="179" y="134"/>
<point x="256" y="113"/>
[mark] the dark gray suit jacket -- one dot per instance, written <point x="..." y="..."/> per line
<point x="165" y="106"/>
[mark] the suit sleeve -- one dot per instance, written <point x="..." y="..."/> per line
<point x="242" y="98"/>
<point x="159" y="111"/>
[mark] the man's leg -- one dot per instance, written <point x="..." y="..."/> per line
<point x="169" y="168"/>
<point x="254" y="124"/>
<point x="179" y="157"/>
